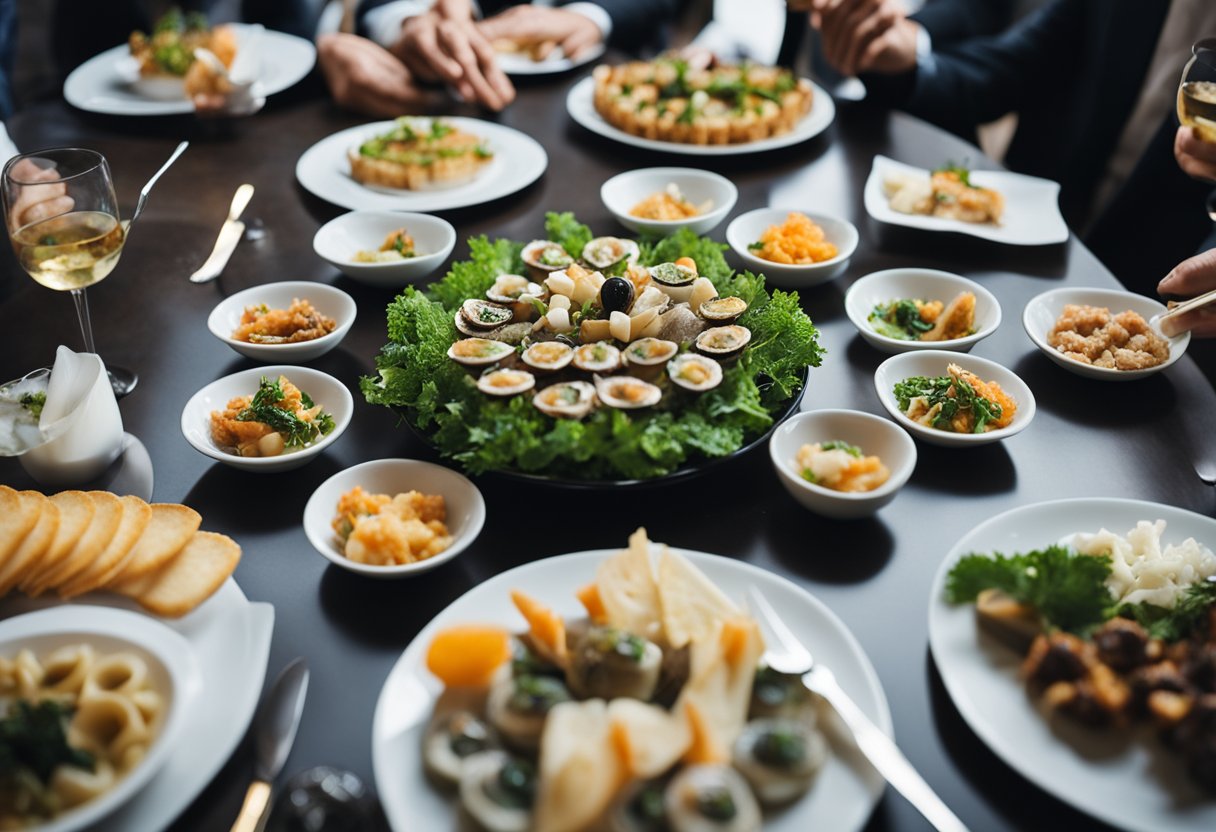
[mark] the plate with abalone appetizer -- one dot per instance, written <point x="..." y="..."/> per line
<point x="156" y="73"/>
<point x="995" y="205"/>
<point x="722" y="110"/>
<point x="908" y="309"/>
<point x="421" y="164"/>
<point x="624" y="689"/>
<point x="1107" y="334"/>
<point x="594" y="361"/>
<point x="130" y="661"/>
<point x="1076" y="640"/>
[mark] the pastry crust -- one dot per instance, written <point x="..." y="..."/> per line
<point x="666" y="101"/>
<point x="413" y="156"/>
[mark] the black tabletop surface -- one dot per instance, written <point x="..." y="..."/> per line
<point x="1088" y="438"/>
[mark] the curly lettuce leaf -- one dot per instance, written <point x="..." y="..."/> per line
<point x="564" y="229"/>
<point x="470" y="278"/>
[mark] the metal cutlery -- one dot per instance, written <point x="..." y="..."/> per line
<point x="147" y="188"/>
<point x="274" y="732"/>
<point x="786" y="654"/>
<point x="230" y="234"/>
<point x="1179" y="308"/>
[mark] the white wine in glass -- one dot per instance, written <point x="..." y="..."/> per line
<point x="62" y="217"/>
<point x="1197" y="91"/>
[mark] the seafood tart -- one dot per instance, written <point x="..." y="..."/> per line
<point x="419" y="153"/>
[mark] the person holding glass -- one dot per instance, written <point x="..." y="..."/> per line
<point x="1094" y="83"/>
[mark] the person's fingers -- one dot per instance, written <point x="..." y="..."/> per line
<point x="515" y="22"/>
<point x="861" y="26"/>
<point x="839" y="24"/>
<point x="487" y="58"/>
<point x="1196" y="157"/>
<point x="432" y="50"/>
<point x="581" y="40"/>
<point x="1199" y="322"/>
<point x="870" y="32"/>
<point x="47" y="208"/>
<point x="1191" y="277"/>
<point x="455" y="40"/>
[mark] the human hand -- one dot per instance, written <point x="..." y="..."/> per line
<point x="866" y="35"/>
<point x="34" y="201"/>
<point x="364" y="77"/>
<point x="454" y="52"/>
<point x="1189" y="278"/>
<point x="1196" y="157"/>
<point x="573" y="32"/>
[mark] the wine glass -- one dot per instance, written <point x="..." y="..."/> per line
<point x="63" y="222"/>
<point x="1197" y="91"/>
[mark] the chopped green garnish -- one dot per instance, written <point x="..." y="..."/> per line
<point x="716" y="803"/>
<point x="296" y="432"/>
<point x="756" y="246"/>
<point x="961" y="171"/>
<point x="34" y="402"/>
<point x="953" y="396"/>
<point x="779" y="748"/>
<point x="837" y="445"/>
<point x="33" y="737"/>
<point x="899" y="319"/>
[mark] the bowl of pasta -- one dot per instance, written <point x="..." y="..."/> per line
<point x="92" y="699"/>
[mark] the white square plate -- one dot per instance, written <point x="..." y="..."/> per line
<point x="1032" y="210"/>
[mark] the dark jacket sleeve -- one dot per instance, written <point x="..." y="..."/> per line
<point x="965" y="84"/>
<point x="948" y="21"/>
<point x="636" y="23"/>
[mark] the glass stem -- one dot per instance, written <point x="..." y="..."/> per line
<point x="86" y="325"/>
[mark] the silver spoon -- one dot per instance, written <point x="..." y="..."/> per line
<point x="147" y="189"/>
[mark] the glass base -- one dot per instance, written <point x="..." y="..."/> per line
<point x="122" y="380"/>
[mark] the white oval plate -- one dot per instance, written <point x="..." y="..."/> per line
<point x="324" y="389"/>
<point x="466" y="510"/>
<point x="99" y="86"/>
<point x="1032" y="211"/>
<point x="230" y="638"/>
<point x="699" y="187"/>
<point x="932" y="363"/>
<point x="1140" y="786"/>
<point x="919" y="284"/>
<point x="841" y="800"/>
<point x="519" y="160"/>
<point x="1042" y="311"/>
<point x="513" y="63"/>
<point x="226" y="317"/>
<point x="173" y="673"/>
<point x="581" y="106"/>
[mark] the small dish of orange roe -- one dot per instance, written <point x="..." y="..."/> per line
<point x="798" y="241"/>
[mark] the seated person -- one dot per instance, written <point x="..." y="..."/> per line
<point x="443" y="43"/>
<point x="1093" y="83"/>
<point x="1198" y="274"/>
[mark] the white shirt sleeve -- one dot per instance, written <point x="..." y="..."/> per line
<point x="596" y="14"/>
<point x="384" y="23"/>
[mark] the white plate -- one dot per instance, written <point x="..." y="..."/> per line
<point x="747" y="228"/>
<point x="230" y="638"/>
<point x="1031" y="217"/>
<point x="173" y="673"/>
<point x="324" y="389"/>
<point x="841" y="800"/>
<point x="918" y="284"/>
<point x="466" y="510"/>
<point x="341" y="238"/>
<point x="1138" y="786"/>
<point x="932" y="364"/>
<point x="1041" y="313"/>
<point x="332" y="302"/>
<point x="519" y="160"/>
<point x="514" y="63"/>
<point x="701" y="188"/>
<point x="581" y="106"/>
<point x="99" y="86"/>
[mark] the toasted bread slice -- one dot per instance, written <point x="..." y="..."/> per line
<point x="135" y="517"/>
<point x="35" y="542"/>
<point x="107" y="516"/>
<point x="169" y="529"/>
<point x="192" y="577"/>
<point x="76" y="510"/>
<point x="442" y="172"/>
<point x="17" y="517"/>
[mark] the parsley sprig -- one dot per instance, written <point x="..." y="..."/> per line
<point x="953" y="395"/>
<point x="266" y="407"/>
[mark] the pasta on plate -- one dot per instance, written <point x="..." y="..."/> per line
<point x="74" y="721"/>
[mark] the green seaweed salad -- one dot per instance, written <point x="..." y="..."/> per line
<point x="440" y="399"/>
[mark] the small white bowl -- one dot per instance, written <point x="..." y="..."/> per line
<point x="1043" y="310"/>
<point x="932" y="363"/>
<point x="466" y="510"/>
<point x="324" y="389"/>
<point x="746" y="229"/>
<point x="339" y="239"/>
<point x="919" y="284"/>
<point x="334" y="303"/>
<point x="173" y="672"/>
<point x="625" y="190"/>
<point x="873" y="434"/>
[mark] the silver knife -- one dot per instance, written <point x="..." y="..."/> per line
<point x="230" y="235"/>
<point x="275" y="731"/>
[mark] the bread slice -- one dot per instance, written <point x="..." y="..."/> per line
<point x="17" y="517"/>
<point x="442" y="172"/>
<point x="76" y="510"/>
<point x="169" y="529"/>
<point x="135" y="516"/>
<point x="93" y="541"/>
<point x="192" y="577"/>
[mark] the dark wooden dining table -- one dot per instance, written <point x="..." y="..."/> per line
<point x="1089" y="438"/>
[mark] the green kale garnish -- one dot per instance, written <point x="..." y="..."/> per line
<point x="296" y="432"/>
<point x="953" y="396"/>
<point x="567" y="232"/>
<point x="1172" y="624"/>
<point x="34" y="737"/>
<point x="899" y="319"/>
<point x="1067" y="589"/>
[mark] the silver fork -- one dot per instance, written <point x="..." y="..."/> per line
<point x="786" y="654"/>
